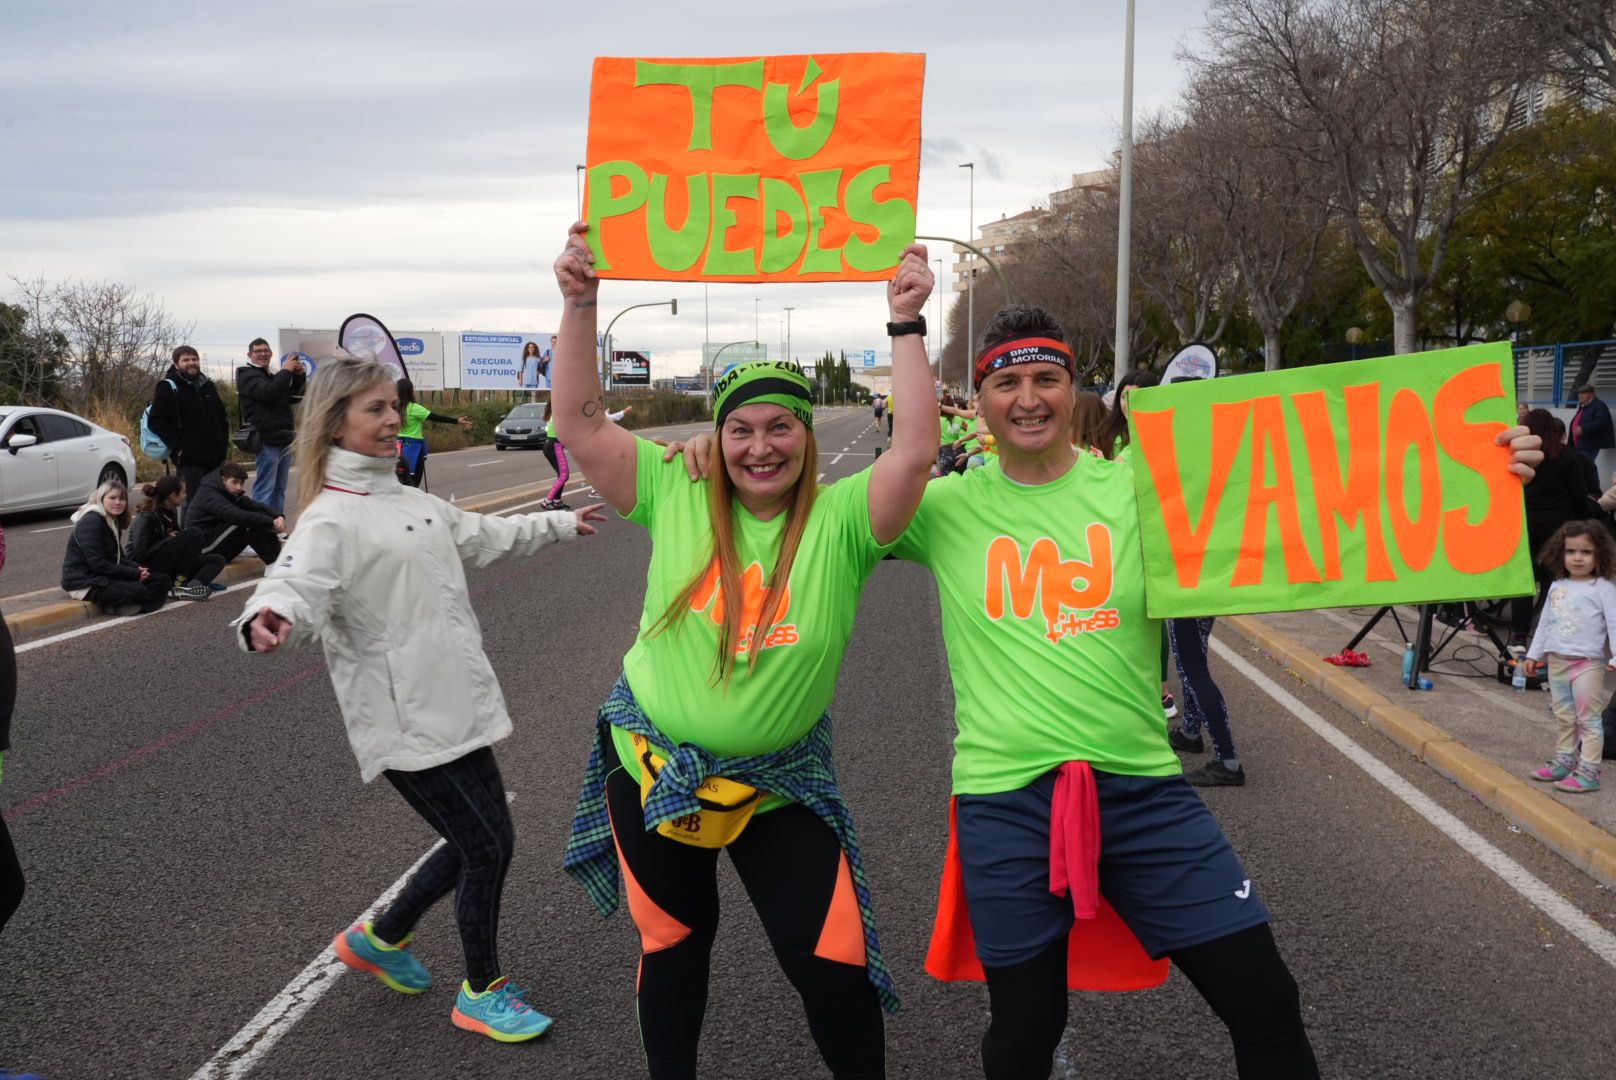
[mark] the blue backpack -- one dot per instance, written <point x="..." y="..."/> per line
<point x="150" y="443"/>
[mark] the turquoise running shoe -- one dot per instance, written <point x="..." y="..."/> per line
<point x="499" y="1012"/>
<point x="395" y="965"/>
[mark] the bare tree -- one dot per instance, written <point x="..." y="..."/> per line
<point x="1274" y="207"/>
<point x="118" y="341"/>
<point x="1573" y="41"/>
<point x="33" y="353"/>
<point x="1399" y="103"/>
<point x="1183" y="257"/>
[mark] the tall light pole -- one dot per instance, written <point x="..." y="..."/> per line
<point x="939" y="296"/>
<point x="706" y="330"/>
<point x="578" y="173"/>
<point x="755" y="336"/>
<point x="788" y="332"/>
<point x="1125" y="204"/>
<point x="970" y="281"/>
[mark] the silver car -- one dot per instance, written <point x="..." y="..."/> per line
<point x="50" y="458"/>
<point x="523" y="426"/>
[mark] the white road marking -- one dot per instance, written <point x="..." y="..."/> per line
<point x="480" y="464"/>
<point x="1601" y="942"/>
<point x="837" y="458"/>
<point x="253" y="1042"/>
<point x="173" y="605"/>
<point x="53" y="528"/>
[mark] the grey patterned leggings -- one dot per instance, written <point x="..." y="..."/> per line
<point x="464" y="801"/>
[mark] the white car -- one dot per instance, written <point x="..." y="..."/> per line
<point x="50" y="458"/>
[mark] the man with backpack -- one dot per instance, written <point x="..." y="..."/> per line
<point x="188" y="416"/>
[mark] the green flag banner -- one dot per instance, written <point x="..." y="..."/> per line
<point x="1372" y="482"/>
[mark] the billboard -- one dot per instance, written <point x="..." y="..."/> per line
<point x="735" y="352"/>
<point x="492" y="360"/>
<point x="422" y="351"/>
<point x="631" y="367"/>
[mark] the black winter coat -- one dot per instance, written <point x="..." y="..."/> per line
<point x="212" y="510"/>
<point x="149" y="530"/>
<point x="267" y="400"/>
<point x="191" y="420"/>
<point x="93" y="556"/>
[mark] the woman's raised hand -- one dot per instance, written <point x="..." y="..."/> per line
<point x="911" y="286"/>
<point x="574" y="267"/>
<point x="586" y="514"/>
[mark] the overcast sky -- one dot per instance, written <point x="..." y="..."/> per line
<point x="257" y="165"/>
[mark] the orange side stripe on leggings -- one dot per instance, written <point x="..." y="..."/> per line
<point x="658" y="930"/>
<point x="842" y="938"/>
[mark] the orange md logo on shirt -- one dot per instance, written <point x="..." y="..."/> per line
<point x="710" y="598"/>
<point x="1069" y="594"/>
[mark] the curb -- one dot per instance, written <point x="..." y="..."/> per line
<point x="1571" y="836"/>
<point x="36" y="621"/>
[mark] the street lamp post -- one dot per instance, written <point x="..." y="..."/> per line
<point x="755" y="335"/>
<point x="970" y="280"/>
<point x="939" y="297"/>
<point x="606" y="338"/>
<point x="788" y="332"/>
<point x="1354" y="338"/>
<point x="727" y="345"/>
<point x="1125" y="203"/>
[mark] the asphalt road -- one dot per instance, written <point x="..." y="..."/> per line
<point x="194" y="831"/>
<point x="35" y="541"/>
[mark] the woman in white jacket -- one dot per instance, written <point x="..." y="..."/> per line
<point x="419" y="698"/>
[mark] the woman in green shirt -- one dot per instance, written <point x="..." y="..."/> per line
<point x="753" y="584"/>
<point x="411" y="437"/>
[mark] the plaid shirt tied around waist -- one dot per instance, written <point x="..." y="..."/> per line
<point x="803" y="772"/>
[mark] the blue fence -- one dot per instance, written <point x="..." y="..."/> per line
<point x="1546" y="374"/>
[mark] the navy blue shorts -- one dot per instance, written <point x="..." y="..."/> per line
<point x="1165" y="866"/>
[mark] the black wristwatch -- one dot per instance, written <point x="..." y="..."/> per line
<point x="900" y="329"/>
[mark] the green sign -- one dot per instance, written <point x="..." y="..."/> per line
<point x="1366" y="483"/>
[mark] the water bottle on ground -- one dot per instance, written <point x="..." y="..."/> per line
<point x="1517" y="681"/>
<point x="1408" y="667"/>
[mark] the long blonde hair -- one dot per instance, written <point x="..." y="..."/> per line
<point x="720" y="509"/>
<point x="323" y="411"/>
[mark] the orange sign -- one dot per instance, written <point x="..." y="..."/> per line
<point x="776" y="168"/>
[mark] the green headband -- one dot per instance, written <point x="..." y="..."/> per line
<point x="773" y="382"/>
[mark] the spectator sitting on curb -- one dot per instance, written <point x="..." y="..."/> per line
<point x="230" y="521"/>
<point x="186" y="413"/>
<point x="157" y="541"/>
<point x="95" y="568"/>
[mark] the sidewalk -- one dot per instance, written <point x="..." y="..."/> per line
<point x="1476" y="731"/>
<point x="34" y="614"/>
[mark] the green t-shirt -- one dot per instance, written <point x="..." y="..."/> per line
<point x="549" y="428"/>
<point x="1052" y="655"/>
<point x="973" y="445"/>
<point x="414" y="414"/>
<point x="672" y="673"/>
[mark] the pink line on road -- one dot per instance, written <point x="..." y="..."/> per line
<point x="151" y="748"/>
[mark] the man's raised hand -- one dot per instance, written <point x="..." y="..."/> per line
<point x="574" y="267"/>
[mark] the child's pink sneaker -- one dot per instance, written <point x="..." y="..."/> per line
<point x="1578" y="783"/>
<point x="1550" y="772"/>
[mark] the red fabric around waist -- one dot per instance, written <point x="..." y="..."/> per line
<point x="1102" y="953"/>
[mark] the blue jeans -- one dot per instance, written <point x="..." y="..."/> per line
<point x="269" y="486"/>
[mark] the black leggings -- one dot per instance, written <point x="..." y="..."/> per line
<point x="465" y="802"/>
<point x="180" y="557"/>
<point x="235" y="539"/>
<point x="1241" y="975"/>
<point x="789" y="862"/>
<point x="11" y="884"/>
<point x="150" y="594"/>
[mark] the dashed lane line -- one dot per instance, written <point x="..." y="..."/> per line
<point x="1601" y="942"/>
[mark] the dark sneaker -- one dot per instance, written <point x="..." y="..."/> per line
<point x="1169" y="706"/>
<point x="1216" y="774"/>
<point x="217" y="586"/>
<point x="1185" y="744"/>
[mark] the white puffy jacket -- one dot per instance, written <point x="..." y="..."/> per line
<point x="376" y="572"/>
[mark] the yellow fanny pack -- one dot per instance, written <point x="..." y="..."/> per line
<point x="726" y="805"/>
